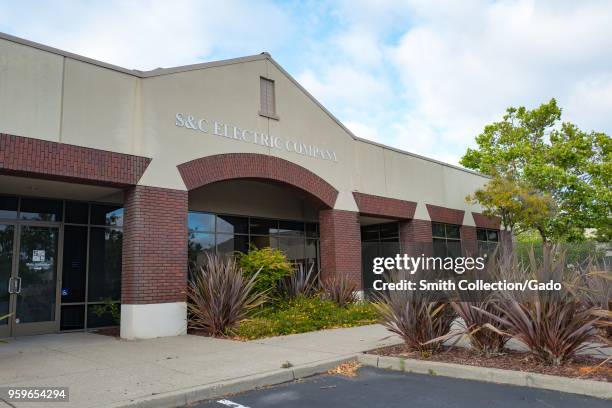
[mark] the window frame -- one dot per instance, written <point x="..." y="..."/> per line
<point x="270" y="87"/>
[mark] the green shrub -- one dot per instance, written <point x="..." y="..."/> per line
<point x="272" y="265"/>
<point x="304" y="314"/>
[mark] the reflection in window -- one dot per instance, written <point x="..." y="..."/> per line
<point x="228" y="234"/>
<point x="41" y="210"/>
<point x="8" y="207"/>
<point x="487" y="240"/>
<point x="105" y="250"/>
<point x="110" y="215"/>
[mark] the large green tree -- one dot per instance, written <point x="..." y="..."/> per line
<point x="554" y="177"/>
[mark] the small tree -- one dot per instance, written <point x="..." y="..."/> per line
<point x="548" y="175"/>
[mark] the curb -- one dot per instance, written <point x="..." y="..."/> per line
<point x="598" y="389"/>
<point x="218" y="389"/>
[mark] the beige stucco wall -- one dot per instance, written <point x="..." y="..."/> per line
<point x="60" y="98"/>
<point x="30" y="91"/>
<point x="246" y="197"/>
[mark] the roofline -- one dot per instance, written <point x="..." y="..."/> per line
<point x="219" y="63"/>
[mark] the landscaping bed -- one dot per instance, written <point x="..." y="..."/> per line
<point x="582" y="367"/>
<point x="302" y="315"/>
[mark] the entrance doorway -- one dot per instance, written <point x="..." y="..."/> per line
<point x="29" y="273"/>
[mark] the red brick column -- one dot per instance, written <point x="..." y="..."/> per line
<point x="468" y="240"/>
<point x="340" y="240"/>
<point x="154" y="246"/>
<point x="415" y="237"/>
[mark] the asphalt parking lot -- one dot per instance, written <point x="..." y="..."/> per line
<point x="374" y="388"/>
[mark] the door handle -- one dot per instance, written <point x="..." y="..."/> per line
<point x="18" y="286"/>
<point x="11" y="285"/>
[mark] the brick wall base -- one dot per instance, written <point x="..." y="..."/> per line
<point x="154" y="246"/>
<point x="415" y="237"/>
<point x="340" y="240"/>
<point x="468" y="241"/>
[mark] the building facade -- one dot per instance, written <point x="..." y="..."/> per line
<point x="113" y="180"/>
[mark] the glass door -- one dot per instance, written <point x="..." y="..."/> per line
<point x="35" y="284"/>
<point x="7" y="248"/>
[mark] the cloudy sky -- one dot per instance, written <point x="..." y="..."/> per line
<point x="422" y="76"/>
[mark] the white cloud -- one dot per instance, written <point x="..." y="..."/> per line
<point x="146" y="34"/>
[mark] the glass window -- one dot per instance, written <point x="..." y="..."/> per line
<point x="8" y="207"/>
<point x="7" y="236"/>
<point x="481" y="234"/>
<point x="76" y="212"/>
<point x="312" y="230"/>
<point x="390" y="230"/>
<point x="41" y="210"/>
<point x="74" y="267"/>
<point x="228" y="244"/>
<point x="260" y="226"/>
<point x="232" y="225"/>
<point x="261" y="241"/>
<point x="201" y="222"/>
<point x="105" y="250"/>
<point x="438" y="230"/>
<point x="291" y="228"/>
<point x="111" y="215"/>
<point x="452" y="231"/>
<point x="293" y="248"/>
<point x="72" y="317"/>
<point x="199" y="244"/>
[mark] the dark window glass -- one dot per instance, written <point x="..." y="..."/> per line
<point x="74" y="264"/>
<point x="8" y="207"/>
<point x="370" y="233"/>
<point x="72" y="317"/>
<point x="228" y="244"/>
<point x="77" y="213"/>
<point x="40" y="210"/>
<point x="312" y="230"/>
<point x="111" y="215"/>
<point x="199" y="244"/>
<point x="7" y="236"/>
<point x="232" y="225"/>
<point x="481" y="234"/>
<point x="105" y="264"/>
<point x="261" y="241"/>
<point x="260" y="226"/>
<point x="438" y="230"/>
<point x="293" y="248"/>
<point x="390" y="230"/>
<point x="102" y="316"/>
<point x="312" y="249"/>
<point x="492" y="235"/>
<point x="201" y="222"/>
<point x="291" y="228"/>
<point x="452" y="231"/>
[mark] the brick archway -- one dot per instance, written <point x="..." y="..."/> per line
<point x="221" y="167"/>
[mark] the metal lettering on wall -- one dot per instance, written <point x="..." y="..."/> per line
<point x="250" y="136"/>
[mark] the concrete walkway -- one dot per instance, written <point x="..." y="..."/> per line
<point x="102" y="371"/>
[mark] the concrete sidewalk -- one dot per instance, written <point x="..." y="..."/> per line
<point x="104" y="371"/>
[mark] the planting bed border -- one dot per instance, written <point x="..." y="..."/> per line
<point x="598" y="389"/>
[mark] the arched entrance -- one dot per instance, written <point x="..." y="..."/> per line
<point x="240" y="200"/>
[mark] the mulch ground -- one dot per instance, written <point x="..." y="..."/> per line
<point x="110" y="331"/>
<point x="582" y="367"/>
